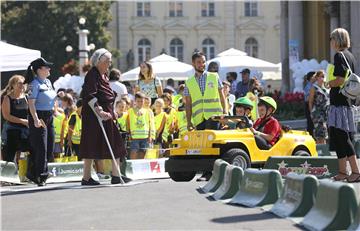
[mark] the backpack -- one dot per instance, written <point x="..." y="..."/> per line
<point x="351" y="88"/>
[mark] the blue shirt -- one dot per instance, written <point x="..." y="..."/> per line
<point x="307" y="89"/>
<point x="202" y="82"/>
<point x="43" y="93"/>
<point x="241" y="89"/>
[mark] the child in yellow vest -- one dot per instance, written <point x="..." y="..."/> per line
<point x="74" y="130"/>
<point x="122" y="113"/>
<point x="160" y="120"/>
<point x="59" y="118"/>
<point x="141" y="126"/>
<point x="181" y="122"/>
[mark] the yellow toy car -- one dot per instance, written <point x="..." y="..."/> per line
<point x="197" y="150"/>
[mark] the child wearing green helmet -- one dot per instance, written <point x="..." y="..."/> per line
<point x="242" y="107"/>
<point x="267" y="129"/>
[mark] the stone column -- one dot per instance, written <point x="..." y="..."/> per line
<point x="345" y="15"/>
<point x="355" y="33"/>
<point x="333" y="11"/>
<point x="296" y="26"/>
<point x="230" y="15"/>
<point x="284" y="44"/>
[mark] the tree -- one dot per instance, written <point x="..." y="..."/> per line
<point x="50" y="26"/>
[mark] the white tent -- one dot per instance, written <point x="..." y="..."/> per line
<point x="233" y="60"/>
<point x="164" y="67"/>
<point x="14" y="58"/>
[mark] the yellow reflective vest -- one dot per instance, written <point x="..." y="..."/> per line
<point x="76" y="134"/>
<point x="181" y="122"/>
<point x="58" y="125"/>
<point x="330" y="74"/>
<point x="122" y="121"/>
<point x="170" y="121"/>
<point x="208" y="104"/>
<point x="141" y="125"/>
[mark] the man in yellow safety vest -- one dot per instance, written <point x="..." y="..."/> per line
<point x="204" y="96"/>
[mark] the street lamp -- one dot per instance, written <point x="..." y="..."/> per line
<point x="84" y="47"/>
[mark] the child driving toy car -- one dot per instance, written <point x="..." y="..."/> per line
<point x="267" y="129"/>
<point x="243" y="107"/>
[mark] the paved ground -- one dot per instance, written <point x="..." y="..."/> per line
<point x="155" y="205"/>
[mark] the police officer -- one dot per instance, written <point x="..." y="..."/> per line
<point x="41" y="102"/>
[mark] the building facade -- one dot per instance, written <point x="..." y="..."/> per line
<point x="144" y="29"/>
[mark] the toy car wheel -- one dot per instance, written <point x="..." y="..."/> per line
<point x="182" y="176"/>
<point x="237" y="157"/>
<point x="301" y="153"/>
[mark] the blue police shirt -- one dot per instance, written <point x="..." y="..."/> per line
<point x="43" y="93"/>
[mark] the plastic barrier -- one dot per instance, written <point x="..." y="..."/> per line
<point x="356" y="224"/>
<point x="323" y="150"/>
<point x="297" y="197"/>
<point x="67" y="172"/>
<point x="146" y="169"/>
<point x="231" y="184"/>
<point x="8" y="172"/>
<point x="258" y="188"/>
<point x="217" y="176"/>
<point x="321" y="167"/>
<point x="334" y="209"/>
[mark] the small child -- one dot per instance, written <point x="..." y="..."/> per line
<point x="181" y="122"/>
<point x="141" y="126"/>
<point x="160" y="120"/>
<point x="147" y="102"/>
<point x="74" y="130"/>
<point x="243" y="107"/>
<point x="121" y="110"/>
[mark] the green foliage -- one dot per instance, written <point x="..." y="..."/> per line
<point x="49" y="26"/>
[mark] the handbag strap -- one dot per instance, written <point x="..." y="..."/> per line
<point x="346" y="62"/>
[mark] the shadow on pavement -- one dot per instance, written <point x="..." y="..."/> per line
<point x="244" y="218"/>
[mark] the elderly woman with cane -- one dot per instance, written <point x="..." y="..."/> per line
<point x="100" y="137"/>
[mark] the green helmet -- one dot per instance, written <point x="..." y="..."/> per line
<point x="245" y="102"/>
<point x="267" y="100"/>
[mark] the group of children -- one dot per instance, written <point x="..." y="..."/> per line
<point x="144" y="125"/>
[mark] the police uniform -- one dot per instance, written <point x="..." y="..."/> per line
<point x="42" y="138"/>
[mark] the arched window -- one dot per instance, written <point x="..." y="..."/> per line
<point x="208" y="48"/>
<point x="177" y="48"/>
<point x="144" y="48"/>
<point x="252" y="47"/>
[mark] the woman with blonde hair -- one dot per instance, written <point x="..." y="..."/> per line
<point x="340" y="116"/>
<point x="15" y="132"/>
<point x="148" y="83"/>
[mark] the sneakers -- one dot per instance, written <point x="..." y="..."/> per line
<point x="116" y="179"/>
<point x="102" y="176"/>
<point x="91" y="181"/>
<point x="205" y="176"/>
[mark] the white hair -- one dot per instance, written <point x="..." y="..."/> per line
<point x="100" y="55"/>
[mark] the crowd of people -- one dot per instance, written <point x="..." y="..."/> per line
<point x="51" y="124"/>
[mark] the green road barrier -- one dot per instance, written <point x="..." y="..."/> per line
<point x="323" y="150"/>
<point x="297" y="197"/>
<point x="356" y="224"/>
<point x="334" y="209"/>
<point x="321" y="167"/>
<point x="231" y="184"/>
<point x="8" y="172"/>
<point x="217" y="176"/>
<point x="258" y="188"/>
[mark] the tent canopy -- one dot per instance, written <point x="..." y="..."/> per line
<point x="164" y="67"/>
<point x="233" y="60"/>
<point x="14" y="58"/>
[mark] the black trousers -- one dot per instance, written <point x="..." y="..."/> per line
<point x="208" y="124"/>
<point x="42" y="144"/>
<point x="14" y="143"/>
<point x="262" y="143"/>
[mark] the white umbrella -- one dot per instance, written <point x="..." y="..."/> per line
<point x="233" y="60"/>
<point x="164" y="67"/>
<point x="14" y="58"/>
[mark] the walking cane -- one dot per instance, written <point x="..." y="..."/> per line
<point x="92" y="106"/>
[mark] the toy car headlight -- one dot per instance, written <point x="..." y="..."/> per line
<point x="210" y="137"/>
<point x="186" y="137"/>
